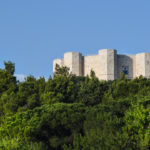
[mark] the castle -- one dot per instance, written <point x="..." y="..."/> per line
<point x="107" y="64"/>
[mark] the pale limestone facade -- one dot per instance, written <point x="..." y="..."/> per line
<point x="107" y="64"/>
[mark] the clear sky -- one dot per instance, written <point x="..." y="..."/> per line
<point x="34" y="32"/>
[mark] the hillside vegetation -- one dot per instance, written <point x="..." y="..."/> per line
<point x="67" y="112"/>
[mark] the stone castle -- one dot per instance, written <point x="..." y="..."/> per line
<point x="107" y="64"/>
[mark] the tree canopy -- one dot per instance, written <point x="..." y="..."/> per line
<point x="69" y="112"/>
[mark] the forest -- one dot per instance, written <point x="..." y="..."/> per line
<point x="68" y="112"/>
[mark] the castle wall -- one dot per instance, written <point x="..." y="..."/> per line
<point x="60" y="62"/>
<point x="73" y="60"/>
<point x="143" y="65"/>
<point x="140" y="64"/>
<point x="111" y="64"/>
<point x="104" y="64"/>
<point x="128" y="62"/>
<point x="107" y="65"/>
<point x="147" y="65"/>
<point x="91" y="63"/>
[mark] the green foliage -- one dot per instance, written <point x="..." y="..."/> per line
<point x="14" y="144"/>
<point x="61" y="71"/>
<point x="92" y="91"/>
<point x="61" y="89"/>
<point x="7" y="78"/>
<point x="73" y="113"/>
<point x="9" y="67"/>
<point x="137" y="127"/>
<point x="54" y="125"/>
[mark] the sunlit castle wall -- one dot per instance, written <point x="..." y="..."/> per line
<point x="73" y="60"/>
<point x="104" y="64"/>
<point x="143" y="64"/>
<point x="108" y="64"/>
<point x="60" y="62"/>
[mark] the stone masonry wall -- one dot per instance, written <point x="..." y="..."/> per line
<point x="107" y="65"/>
<point x="91" y="63"/>
<point x="126" y="61"/>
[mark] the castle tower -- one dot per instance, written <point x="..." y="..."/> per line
<point x="60" y="62"/>
<point x="107" y="64"/>
<point x="73" y="60"/>
<point x="143" y="64"/>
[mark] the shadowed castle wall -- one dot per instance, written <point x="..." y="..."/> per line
<point x="147" y="65"/>
<point x="127" y="61"/>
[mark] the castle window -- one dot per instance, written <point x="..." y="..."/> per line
<point x="125" y="70"/>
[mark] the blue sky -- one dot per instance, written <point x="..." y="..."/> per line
<point x="34" y="32"/>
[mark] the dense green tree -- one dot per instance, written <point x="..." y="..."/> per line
<point x="73" y="113"/>
<point x="8" y="89"/>
<point x="92" y="90"/>
<point x="28" y="93"/>
<point x="53" y="125"/>
<point x="137" y="127"/>
<point x="61" y="71"/>
<point x="7" y="78"/>
<point x="62" y="88"/>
